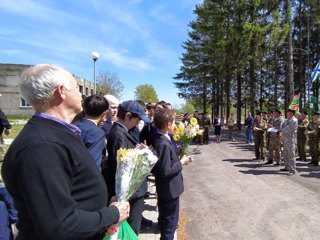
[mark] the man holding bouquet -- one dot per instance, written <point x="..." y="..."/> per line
<point x="129" y="115"/>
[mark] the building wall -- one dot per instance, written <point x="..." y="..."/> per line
<point x="10" y="99"/>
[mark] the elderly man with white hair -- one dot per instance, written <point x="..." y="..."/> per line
<point x="58" y="191"/>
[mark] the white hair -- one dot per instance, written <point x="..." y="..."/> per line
<point x="112" y="99"/>
<point x="39" y="82"/>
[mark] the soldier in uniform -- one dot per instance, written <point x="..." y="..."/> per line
<point x="206" y="125"/>
<point x="289" y="137"/>
<point x="303" y="123"/>
<point x="259" y="130"/>
<point x="275" y="139"/>
<point x="270" y="124"/>
<point x="313" y="134"/>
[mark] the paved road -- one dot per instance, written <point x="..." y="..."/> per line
<point x="230" y="196"/>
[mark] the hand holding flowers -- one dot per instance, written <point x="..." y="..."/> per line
<point x="185" y="132"/>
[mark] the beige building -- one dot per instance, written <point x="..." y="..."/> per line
<point x="11" y="101"/>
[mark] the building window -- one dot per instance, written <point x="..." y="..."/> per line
<point x="81" y="89"/>
<point x="24" y="104"/>
<point x="87" y="90"/>
<point x="91" y="91"/>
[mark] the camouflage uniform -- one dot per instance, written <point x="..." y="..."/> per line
<point x="259" y="131"/>
<point x="275" y="142"/>
<point x="314" y="128"/>
<point x="270" y="122"/>
<point x="302" y="138"/>
<point x="289" y="138"/>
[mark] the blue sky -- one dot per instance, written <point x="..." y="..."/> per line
<point x="139" y="40"/>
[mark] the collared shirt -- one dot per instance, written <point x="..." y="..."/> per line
<point x="72" y="127"/>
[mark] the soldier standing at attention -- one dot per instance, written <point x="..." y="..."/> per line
<point x="275" y="139"/>
<point x="259" y="129"/>
<point x="303" y="123"/>
<point x="289" y="137"/>
<point x="313" y="134"/>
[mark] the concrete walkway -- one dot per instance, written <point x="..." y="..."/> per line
<point x="151" y="213"/>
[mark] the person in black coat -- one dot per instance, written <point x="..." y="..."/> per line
<point x="129" y="115"/>
<point x="4" y="126"/>
<point x="168" y="176"/>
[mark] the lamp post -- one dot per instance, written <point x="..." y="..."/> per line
<point x="95" y="56"/>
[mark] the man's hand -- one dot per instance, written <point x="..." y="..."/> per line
<point x="7" y="131"/>
<point x="186" y="159"/>
<point x="124" y="210"/>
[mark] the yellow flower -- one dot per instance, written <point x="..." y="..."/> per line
<point x="199" y="132"/>
<point x="121" y="153"/>
<point x="176" y="137"/>
<point x="181" y="128"/>
<point x="193" y="121"/>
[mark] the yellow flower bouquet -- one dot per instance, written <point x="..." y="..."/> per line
<point x="133" y="165"/>
<point x="185" y="132"/>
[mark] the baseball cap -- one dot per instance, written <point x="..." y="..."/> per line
<point x="135" y="107"/>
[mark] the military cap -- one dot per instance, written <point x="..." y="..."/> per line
<point x="315" y="112"/>
<point x="277" y="110"/>
<point x="258" y="112"/>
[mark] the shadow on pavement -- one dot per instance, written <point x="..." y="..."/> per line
<point x="263" y="172"/>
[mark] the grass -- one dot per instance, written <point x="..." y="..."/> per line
<point x="15" y="130"/>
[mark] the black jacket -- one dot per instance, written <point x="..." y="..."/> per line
<point x="167" y="171"/>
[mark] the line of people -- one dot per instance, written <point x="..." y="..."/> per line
<point x="60" y="169"/>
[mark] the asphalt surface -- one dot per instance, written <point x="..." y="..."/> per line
<point x="230" y="196"/>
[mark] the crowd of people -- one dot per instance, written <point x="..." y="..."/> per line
<point x="280" y="139"/>
<point x="60" y="169"/>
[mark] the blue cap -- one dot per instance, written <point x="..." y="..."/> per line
<point x="136" y="108"/>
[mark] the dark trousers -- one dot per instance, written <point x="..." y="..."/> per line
<point x="135" y="217"/>
<point x="168" y="217"/>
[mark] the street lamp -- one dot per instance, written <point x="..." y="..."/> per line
<point x="95" y="56"/>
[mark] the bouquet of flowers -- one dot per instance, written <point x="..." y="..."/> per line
<point x="133" y="165"/>
<point x="185" y="132"/>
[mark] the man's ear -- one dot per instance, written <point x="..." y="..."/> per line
<point x="60" y="93"/>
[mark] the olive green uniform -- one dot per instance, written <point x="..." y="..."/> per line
<point x="259" y="131"/>
<point x="302" y="138"/>
<point x="314" y="133"/>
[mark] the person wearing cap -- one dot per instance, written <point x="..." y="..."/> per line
<point x="259" y="129"/>
<point x="313" y="135"/>
<point x="129" y="114"/>
<point x="274" y="154"/>
<point x="289" y="138"/>
<point x="303" y="123"/>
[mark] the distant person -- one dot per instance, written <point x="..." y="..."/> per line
<point x="57" y="190"/>
<point x="5" y="126"/>
<point x="303" y="123"/>
<point x="248" y="123"/>
<point x="289" y="138"/>
<point x="206" y="125"/>
<point x="217" y="128"/>
<point x="94" y="108"/>
<point x="230" y="123"/>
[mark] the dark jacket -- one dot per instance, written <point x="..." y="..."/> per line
<point x="167" y="171"/>
<point x="119" y="137"/>
<point x="57" y="189"/>
<point x="93" y="137"/>
<point x="4" y="123"/>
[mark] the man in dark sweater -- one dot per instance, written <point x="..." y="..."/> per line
<point x="57" y="189"/>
